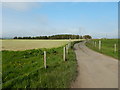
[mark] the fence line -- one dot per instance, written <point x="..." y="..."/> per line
<point x="65" y="52"/>
<point x="100" y="45"/>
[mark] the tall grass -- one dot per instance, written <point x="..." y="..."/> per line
<point x="24" y="69"/>
<point x="107" y="47"/>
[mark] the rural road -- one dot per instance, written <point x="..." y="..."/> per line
<point x="95" y="70"/>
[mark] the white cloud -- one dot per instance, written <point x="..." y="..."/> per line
<point x="59" y="0"/>
<point x="21" y="6"/>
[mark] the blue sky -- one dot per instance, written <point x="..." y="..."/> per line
<point x="98" y="19"/>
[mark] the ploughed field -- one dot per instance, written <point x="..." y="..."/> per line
<point x="23" y="69"/>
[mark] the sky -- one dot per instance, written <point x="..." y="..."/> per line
<point x="59" y="0"/>
<point x="98" y="19"/>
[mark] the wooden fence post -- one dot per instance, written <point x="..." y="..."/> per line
<point x="45" y="59"/>
<point x="99" y="45"/>
<point x="69" y="45"/>
<point x="95" y="44"/>
<point x="115" y="47"/>
<point x="67" y="48"/>
<point x="70" y="40"/>
<point x="64" y="54"/>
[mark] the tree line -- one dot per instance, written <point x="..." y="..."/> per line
<point x="63" y="36"/>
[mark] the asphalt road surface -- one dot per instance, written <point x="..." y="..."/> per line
<point x="95" y="70"/>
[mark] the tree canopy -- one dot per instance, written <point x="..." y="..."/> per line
<point x="62" y="36"/>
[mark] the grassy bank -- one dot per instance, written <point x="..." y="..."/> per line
<point x="107" y="47"/>
<point x="24" y="69"/>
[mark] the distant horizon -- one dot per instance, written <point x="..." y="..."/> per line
<point x="97" y="19"/>
<point x="56" y="34"/>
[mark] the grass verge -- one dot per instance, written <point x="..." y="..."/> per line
<point x="24" y="69"/>
<point x="107" y="47"/>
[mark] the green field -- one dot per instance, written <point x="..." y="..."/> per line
<point x="15" y="45"/>
<point x="107" y="46"/>
<point x="24" y="69"/>
<point x="0" y="70"/>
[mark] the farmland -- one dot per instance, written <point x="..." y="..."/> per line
<point x="25" y="69"/>
<point x="15" y="45"/>
<point x="107" y="46"/>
